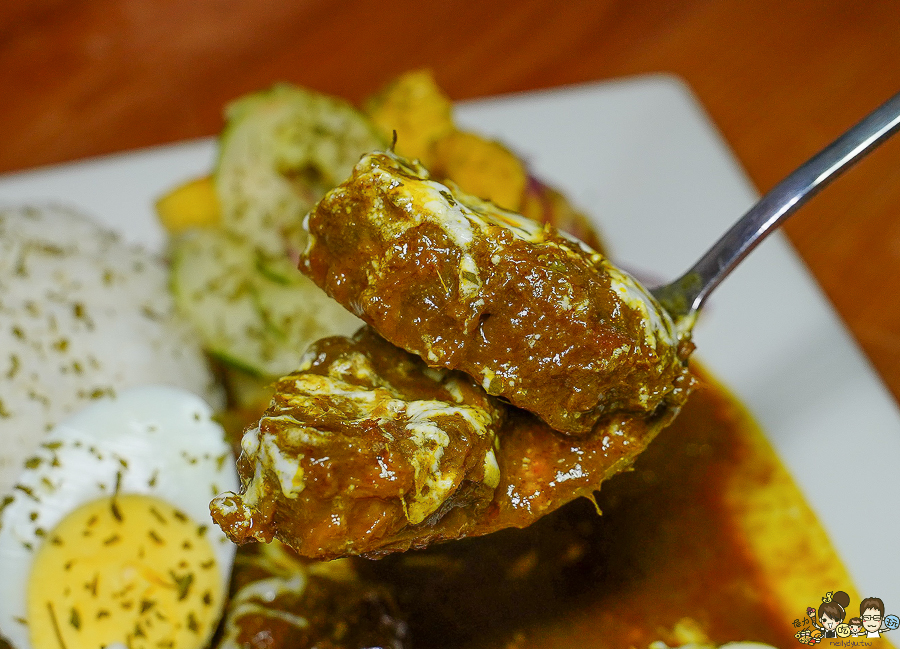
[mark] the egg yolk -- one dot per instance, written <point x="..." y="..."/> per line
<point x="130" y="569"/>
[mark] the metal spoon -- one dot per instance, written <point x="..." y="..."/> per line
<point x="684" y="297"/>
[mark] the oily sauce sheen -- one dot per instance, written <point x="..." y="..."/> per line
<point x="531" y="314"/>
<point x="665" y="548"/>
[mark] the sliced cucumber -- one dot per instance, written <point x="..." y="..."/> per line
<point x="281" y="150"/>
<point x="253" y="312"/>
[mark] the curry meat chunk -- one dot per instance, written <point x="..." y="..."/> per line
<point x="280" y="601"/>
<point x="362" y="449"/>
<point x="368" y="451"/>
<point x="535" y="316"/>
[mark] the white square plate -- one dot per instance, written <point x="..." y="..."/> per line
<point x="641" y="157"/>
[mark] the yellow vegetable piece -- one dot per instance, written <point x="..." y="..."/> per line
<point x="417" y="109"/>
<point x="481" y="167"/>
<point x="422" y="115"/>
<point x="191" y="205"/>
<point x="544" y="204"/>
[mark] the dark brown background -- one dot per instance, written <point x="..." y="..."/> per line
<point x="780" y="78"/>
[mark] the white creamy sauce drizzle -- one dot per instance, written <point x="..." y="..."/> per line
<point x="426" y="425"/>
<point x="461" y="217"/>
<point x="255" y="599"/>
<point x="658" y="326"/>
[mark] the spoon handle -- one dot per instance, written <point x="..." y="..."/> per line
<point x="685" y="296"/>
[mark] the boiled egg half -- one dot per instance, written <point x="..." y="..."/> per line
<point x="107" y="540"/>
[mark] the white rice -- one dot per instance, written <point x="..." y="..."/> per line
<point x="82" y="316"/>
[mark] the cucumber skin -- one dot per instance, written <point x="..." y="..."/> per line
<point x="257" y="321"/>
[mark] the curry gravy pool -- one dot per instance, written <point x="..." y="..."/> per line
<point x="708" y="539"/>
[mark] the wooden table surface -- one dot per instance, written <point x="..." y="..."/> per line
<point x="781" y="79"/>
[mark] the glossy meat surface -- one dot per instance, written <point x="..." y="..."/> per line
<point x="534" y="316"/>
<point x="364" y="447"/>
<point x="330" y="478"/>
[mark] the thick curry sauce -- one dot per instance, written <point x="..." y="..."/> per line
<point x="706" y="540"/>
<point x="366" y="450"/>
<point x="679" y="554"/>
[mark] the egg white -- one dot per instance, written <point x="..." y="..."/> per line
<point x="157" y="441"/>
